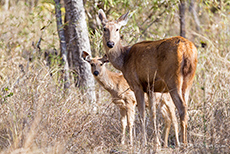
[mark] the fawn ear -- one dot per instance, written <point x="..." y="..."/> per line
<point x="102" y="17"/>
<point x="86" y="56"/>
<point x="105" y="59"/>
<point x="122" y="21"/>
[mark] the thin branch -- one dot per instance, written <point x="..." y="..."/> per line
<point x="182" y="18"/>
<point x="142" y="32"/>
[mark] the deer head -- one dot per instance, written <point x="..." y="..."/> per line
<point x="97" y="64"/>
<point x="111" y="35"/>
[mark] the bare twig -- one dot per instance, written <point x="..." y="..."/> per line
<point x="37" y="47"/>
<point x="142" y="32"/>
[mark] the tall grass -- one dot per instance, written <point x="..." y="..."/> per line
<point x="37" y="116"/>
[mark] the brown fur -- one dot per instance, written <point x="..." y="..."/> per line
<point x="124" y="98"/>
<point x="166" y="65"/>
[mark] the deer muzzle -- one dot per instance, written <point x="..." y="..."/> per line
<point x="110" y="44"/>
<point x="96" y="73"/>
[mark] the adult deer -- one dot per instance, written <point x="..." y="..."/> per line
<point x="124" y="98"/>
<point x="166" y="65"/>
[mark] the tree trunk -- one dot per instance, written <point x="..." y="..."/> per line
<point x="76" y="33"/>
<point x="61" y="35"/>
<point x="6" y="5"/>
<point x="193" y="10"/>
<point x="182" y="17"/>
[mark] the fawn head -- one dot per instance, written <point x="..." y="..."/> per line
<point x="97" y="64"/>
<point x="111" y="29"/>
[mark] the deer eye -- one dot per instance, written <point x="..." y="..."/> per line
<point x="117" y="29"/>
<point x="91" y="65"/>
<point x="105" y="29"/>
<point x="101" y="64"/>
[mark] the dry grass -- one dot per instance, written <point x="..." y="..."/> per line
<point x="37" y="116"/>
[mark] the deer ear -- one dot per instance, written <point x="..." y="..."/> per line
<point x="105" y="59"/>
<point x="122" y="21"/>
<point x="86" y="56"/>
<point x="102" y="17"/>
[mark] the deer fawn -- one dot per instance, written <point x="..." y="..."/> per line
<point x="166" y="65"/>
<point x="124" y="98"/>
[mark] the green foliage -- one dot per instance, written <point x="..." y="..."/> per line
<point x="6" y="94"/>
<point x="48" y="1"/>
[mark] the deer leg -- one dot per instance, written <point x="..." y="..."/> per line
<point x="175" y="124"/>
<point x="182" y="108"/>
<point x="167" y="120"/>
<point x="139" y="94"/>
<point x="152" y="109"/>
<point x="123" y="124"/>
<point x="169" y="110"/>
<point x="186" y="87"/>
<point x="130" y="119"/>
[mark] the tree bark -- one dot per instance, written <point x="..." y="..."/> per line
<point x="193" y="10"/>
<point x="61" y="35"/>
<point x="182" y="17"/>
<point x="6" y="5"/>
<point x="76" y="33"/>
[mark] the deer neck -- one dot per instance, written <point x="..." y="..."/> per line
<point x="117" y="55"/>
<point x="106" y="81"/>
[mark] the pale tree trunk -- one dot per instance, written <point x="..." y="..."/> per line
<point x="61" y="35"/>
<point x="77" y="39"/>
<point x="192" y="9"/>
<point x="6" y="5"/>
<point x="182" y="17"/>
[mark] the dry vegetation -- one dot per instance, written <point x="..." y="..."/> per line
<point x="37" y="116"/>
